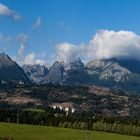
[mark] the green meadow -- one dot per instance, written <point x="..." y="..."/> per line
<point x="34" y="132"/>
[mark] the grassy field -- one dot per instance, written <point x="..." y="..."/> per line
<point x="31" y="132"/>
<point x="34" y="110"/>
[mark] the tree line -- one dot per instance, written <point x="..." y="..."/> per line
<point x="6" y="138"/>
<point x="77" y="120"/>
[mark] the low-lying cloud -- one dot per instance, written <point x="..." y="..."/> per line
<point x="67" y="51"/>
<point x="104" y="45"/>
<point x="22" y="39"/>
<point x="33" y="58"/>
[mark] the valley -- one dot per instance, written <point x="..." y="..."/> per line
<point x="98" y="100"/>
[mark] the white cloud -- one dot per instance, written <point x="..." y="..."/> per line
<point x="37" y="23"/>
<point x="121" y="44"/>
<point x="66" y="51"/>
<point x="5" y="11"/>
<point x="32" y="58"/>
<point x="22" y="49"/>
<point x="105" y="44"/>
<point x="22" y="38"/>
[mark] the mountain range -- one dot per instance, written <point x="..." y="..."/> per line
<point x="112" y="73"/>
<point x="103" y="87"/>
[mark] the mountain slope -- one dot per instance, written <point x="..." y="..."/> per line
<point x="108" y="70"/>
<point x="10" y="70"/>
<point x="55" y="74"/>
<point x="36" y="73"/>
<point x="132" y="65"/>
<point x="99" y="100"/>
<point x="113" y="73"/>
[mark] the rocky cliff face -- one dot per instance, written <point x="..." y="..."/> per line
<point x="55" y="74"/>
<point x="76" y="65"/>
<point x="64" y="73"/>
<point x="10" y="70"/>
<point x="108" y="70"/>
<point x="36" y="73"/>
<point x="74" y="73"/>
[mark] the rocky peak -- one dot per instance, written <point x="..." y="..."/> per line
<point x="10" y="70"/>
<point x="35" y="69"/>
<point x="5" y="60"/>
<point x="36" y="73"/>
<point x="74" y="65"/>
<point x="55" y="74"/>
<point x="57" y="64"/>
<point x="108" y="69"/>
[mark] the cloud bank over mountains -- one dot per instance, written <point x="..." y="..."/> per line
<point x="33" y="58"/>
<point x="104" y="45"/>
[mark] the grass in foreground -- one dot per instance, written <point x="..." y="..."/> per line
<point x="31" y="132"/>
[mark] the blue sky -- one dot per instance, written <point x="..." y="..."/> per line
<point x="39" y="27"/>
